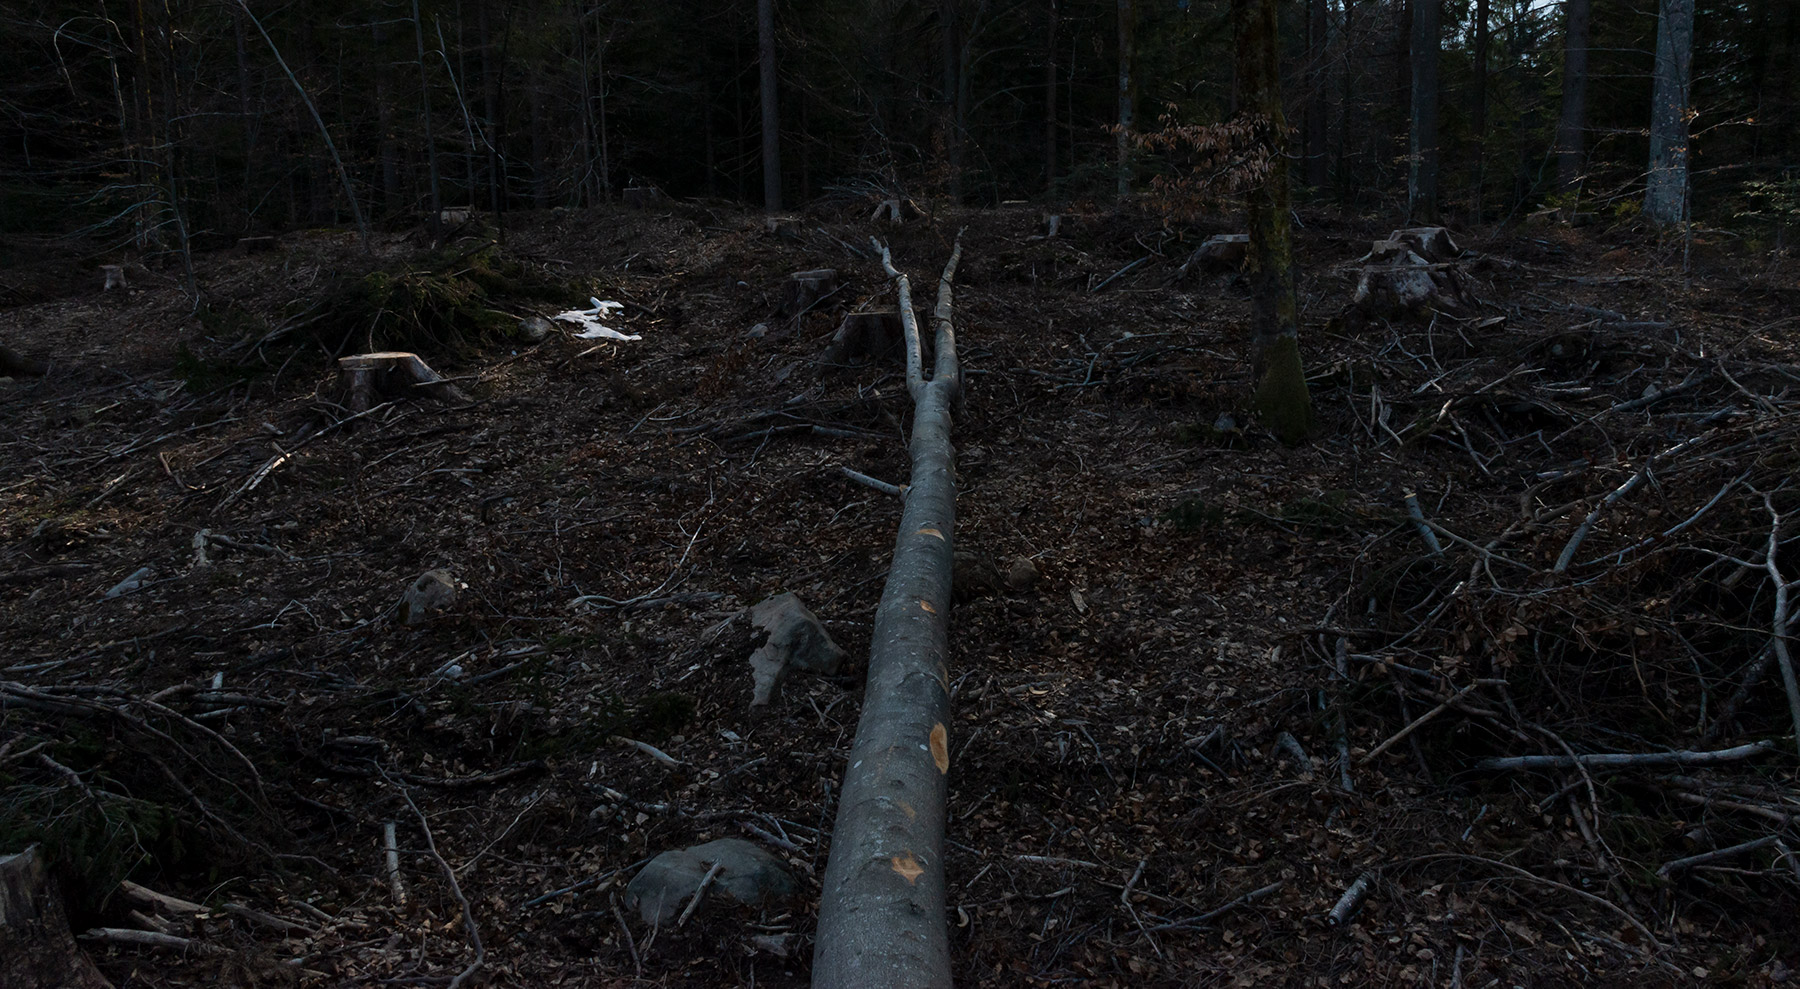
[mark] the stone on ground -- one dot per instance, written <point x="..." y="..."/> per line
<point x="747" y="874"/>
<point x="796" y="640"/>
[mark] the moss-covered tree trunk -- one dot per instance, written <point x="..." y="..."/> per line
<point x="1281" y="400"/>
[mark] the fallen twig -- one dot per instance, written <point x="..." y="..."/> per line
<point x="699" y="892"/>
<point x="1627" y="759"/>
<point x="1679" y="865"/>
<point x="1353" y="897"/>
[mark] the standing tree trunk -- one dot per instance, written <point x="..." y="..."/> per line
<point x="362" y="225"/>
<point x="1571" y="127"/>
<point x="1665" y="195"/>
<point x="1050" y="97"/>
<point x="1318" y="172"/>
<point x="490" y="110"/>
<point x="387" y="149"/>
<point x="1281" y="400"/>
<point x="771" y="106"/>
<point x="431" y="161"/>
<point x="881" y="915"/>
<point x="1422" y="173"/>
<point x="1127" y="94"/>
<point x="952" y="58"/>
<point x="1479" y="108"/>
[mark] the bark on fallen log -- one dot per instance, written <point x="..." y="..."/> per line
<point x="881" y="916"/>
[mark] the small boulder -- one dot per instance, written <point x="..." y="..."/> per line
<point x="1022" y="575"/>
<point x="536" y="328"/>
<point x="972" y="575"/>
<point x="433" y="591"/>
<point x="796" y="640"/>
<point x="747" y="874"/>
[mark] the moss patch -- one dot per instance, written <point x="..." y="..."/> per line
<point x="1281" y="401"/>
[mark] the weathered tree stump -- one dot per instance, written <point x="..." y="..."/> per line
<point x="805" y="288"/>
<point x="36" y="948"/>
<point x="868" y="336"/>
<point x="642" y="197"/>
<point x="782" y="227"/>
<point x="366" y="377"/>
<point x="13" y="362"/>
<point x="115" y="278"/>
<point x="889" y="208"/>
<point x="1434" y="244"/>
<point x="1218" y="253"/>
<point x="1399" y="281"/>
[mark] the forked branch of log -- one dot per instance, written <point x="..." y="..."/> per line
<point x="881" y="916"/>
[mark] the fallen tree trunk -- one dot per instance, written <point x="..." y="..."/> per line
<point x="881" y="916"/>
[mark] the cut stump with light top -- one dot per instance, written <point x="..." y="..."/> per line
<point x="367" y="377"/>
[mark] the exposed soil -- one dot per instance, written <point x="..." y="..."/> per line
<point x="1118" y="769"/>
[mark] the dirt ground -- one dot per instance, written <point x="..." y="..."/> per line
<point x="1120" y="771"/>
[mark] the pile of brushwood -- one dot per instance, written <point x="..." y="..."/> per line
<point x="1588" y="587"/>
<point x="451" y="301"/>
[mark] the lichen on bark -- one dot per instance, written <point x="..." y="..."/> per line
<point x="1281" y="400"/>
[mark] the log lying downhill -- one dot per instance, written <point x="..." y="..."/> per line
<point x="881" y="917"/>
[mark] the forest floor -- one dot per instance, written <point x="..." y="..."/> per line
<point x="1119" y="767"/>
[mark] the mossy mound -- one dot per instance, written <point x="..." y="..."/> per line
<point x="1282" y="402"/>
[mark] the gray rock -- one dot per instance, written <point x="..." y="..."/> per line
<point x="747" y="874"/>
<point x="1022" y="575"/>
<point x="536" y="328"/>
<point x="796" y="640"/>
<point x="435" y="590"/>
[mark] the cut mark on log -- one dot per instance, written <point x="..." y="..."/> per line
<point x="908" y="867"/>
<point x="931" y="532"/>
<point x="940" y="747"/>
<point x="927" y="606"/>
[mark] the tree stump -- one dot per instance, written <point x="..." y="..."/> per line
<point x="804" y="288"/>
<point x="642" y="197"/>
<point x="782" y="227"/>
<point x="1434" y="244"/>
<point x="1398" y="281"/>
<point x="13" y="362"/>
<point x="257" y="245"/>
<point x="115" y="278"/>
<point x="1221" y="252"/>
<point x="869" y="336"/>
<point x="365" y="377"/>
<point x="36" y="948"/>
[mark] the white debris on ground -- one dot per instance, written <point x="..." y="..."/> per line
<point x="589" y="321"/>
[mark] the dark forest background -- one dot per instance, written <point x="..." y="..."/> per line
<point x="163" y="123"/>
